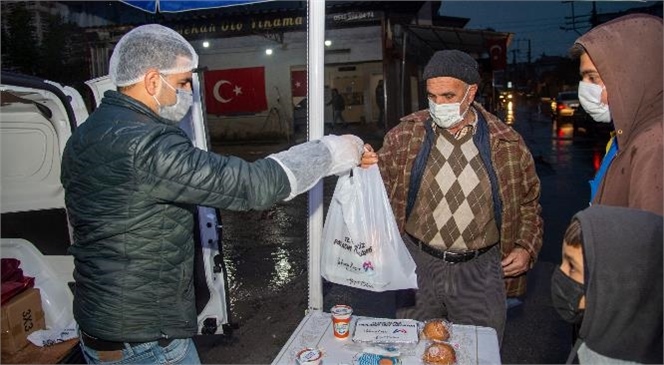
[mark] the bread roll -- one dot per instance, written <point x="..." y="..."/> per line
<point x="439" y="354"/>
<point x="436" y="330"/>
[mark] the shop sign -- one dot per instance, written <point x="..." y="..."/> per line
<point x="239" y="27"/>
<point x="354" y="17"/>
<point x="266" y="24"/>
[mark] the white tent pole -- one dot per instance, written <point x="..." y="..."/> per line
<point x="316" y="107"/>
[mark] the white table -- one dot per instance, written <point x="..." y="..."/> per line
<point x="475" y="345"/>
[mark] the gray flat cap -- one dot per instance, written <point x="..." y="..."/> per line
<point x="453" y="63"/>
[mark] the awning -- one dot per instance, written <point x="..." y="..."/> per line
<point x="468" y="40"/>
<point x="166" y="6"/>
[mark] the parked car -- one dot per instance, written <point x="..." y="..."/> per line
<point x="504" y="98"/>
<point x="568" y="110"/>
<point x="567" y="104"/>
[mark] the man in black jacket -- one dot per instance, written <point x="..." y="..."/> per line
<point x="132" y="179"/>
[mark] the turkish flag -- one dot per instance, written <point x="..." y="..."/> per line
<point x="299" y="83"/>
<point x="235" y="91"/>
<point x="498" y="53"/>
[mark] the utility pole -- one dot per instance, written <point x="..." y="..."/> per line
<point x="572" y="23"/>
<point x="514" y="70"/>
<point x="593" y="15"/>
<point x="514" y="52"/>
<point x="519" y="47"/>
<point x="521" y="70"/>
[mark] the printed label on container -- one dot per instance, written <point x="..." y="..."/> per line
<point x="341" y="328"/>
<point x="308" y="356"/>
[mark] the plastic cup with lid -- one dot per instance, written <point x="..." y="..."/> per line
<point x="341" y="315"/>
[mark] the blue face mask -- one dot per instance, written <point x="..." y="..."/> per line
<point x="177" y="111"/>
<point x="590" y="97"/>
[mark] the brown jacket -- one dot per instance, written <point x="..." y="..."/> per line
<point x="519" y="185"/>
<point x="627" y="53"/>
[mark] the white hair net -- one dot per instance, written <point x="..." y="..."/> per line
<point x="150" y="46"/>
<point x="308" y="162"/>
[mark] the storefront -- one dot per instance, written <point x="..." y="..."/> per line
<point x="273" y="69"/>
<point x="253" y="61"/>
<point x="353" y="66"/>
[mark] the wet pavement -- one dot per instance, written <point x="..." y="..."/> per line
<point x="534" y="333"/>
<point x="266" y="253"/>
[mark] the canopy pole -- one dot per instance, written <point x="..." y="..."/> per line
<point x="315" y="130"/>
<point x="403" y="75"/>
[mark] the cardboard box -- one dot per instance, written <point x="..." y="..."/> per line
<point x="21" y="316"/>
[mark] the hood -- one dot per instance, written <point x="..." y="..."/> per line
<point x="622" y="250"/>
<point x="628" y="55"/>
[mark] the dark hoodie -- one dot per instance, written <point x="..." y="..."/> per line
<point x="627" y="53"/>
<point x="622" y="251"/>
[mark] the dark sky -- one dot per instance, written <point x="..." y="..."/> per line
<point x="537" y="21"/>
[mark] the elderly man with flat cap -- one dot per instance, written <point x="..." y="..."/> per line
<point x="465" y="195"/>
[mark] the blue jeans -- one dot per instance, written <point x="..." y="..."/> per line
<point x="179" y="351"/>
<point x="588" y="356"/>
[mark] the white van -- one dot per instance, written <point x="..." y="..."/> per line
<point x="36" y="119"/>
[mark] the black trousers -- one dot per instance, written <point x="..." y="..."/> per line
<point x="471" y="292"/>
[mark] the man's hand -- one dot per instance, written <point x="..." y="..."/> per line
<point x="516" y="263"/>
<point x="369" y="157"/>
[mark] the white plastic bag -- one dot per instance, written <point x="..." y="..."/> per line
<point x="362" y="247"/>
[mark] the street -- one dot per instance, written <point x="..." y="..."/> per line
<point x="266" y="254"/>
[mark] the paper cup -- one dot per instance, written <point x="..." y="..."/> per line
<point x="341" y="320"/>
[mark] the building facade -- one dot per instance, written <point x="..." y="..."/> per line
<point x="253" y="58"/>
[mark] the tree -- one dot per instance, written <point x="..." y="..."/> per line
<point x="20" y="41"/>
<point x="62" y="52"/>
<point x="3" y="45"/>
<point x="61" y="55"/>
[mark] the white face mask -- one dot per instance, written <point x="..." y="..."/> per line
<point x="447" y="115"/>
<point x="590" y="97"/>
<point x="177" y="111"/>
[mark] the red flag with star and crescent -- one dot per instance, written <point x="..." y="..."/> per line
<point x="299" y="82"/>
<point x="498" y="53"/>
<point x="235" y="91"/>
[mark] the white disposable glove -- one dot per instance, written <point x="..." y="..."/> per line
<point x="346" y="152"/>
<point x="306" y="163"/>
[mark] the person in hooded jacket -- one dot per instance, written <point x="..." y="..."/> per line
<point x="621" y="70"/>
<point x="610" y="281"/>
<point x="132" y="180"/>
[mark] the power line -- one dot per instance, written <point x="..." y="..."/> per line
<point x="572" y="23"/>
<point x="516" y="24"/>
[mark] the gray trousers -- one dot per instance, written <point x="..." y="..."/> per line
<point x="471" y="292"/>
